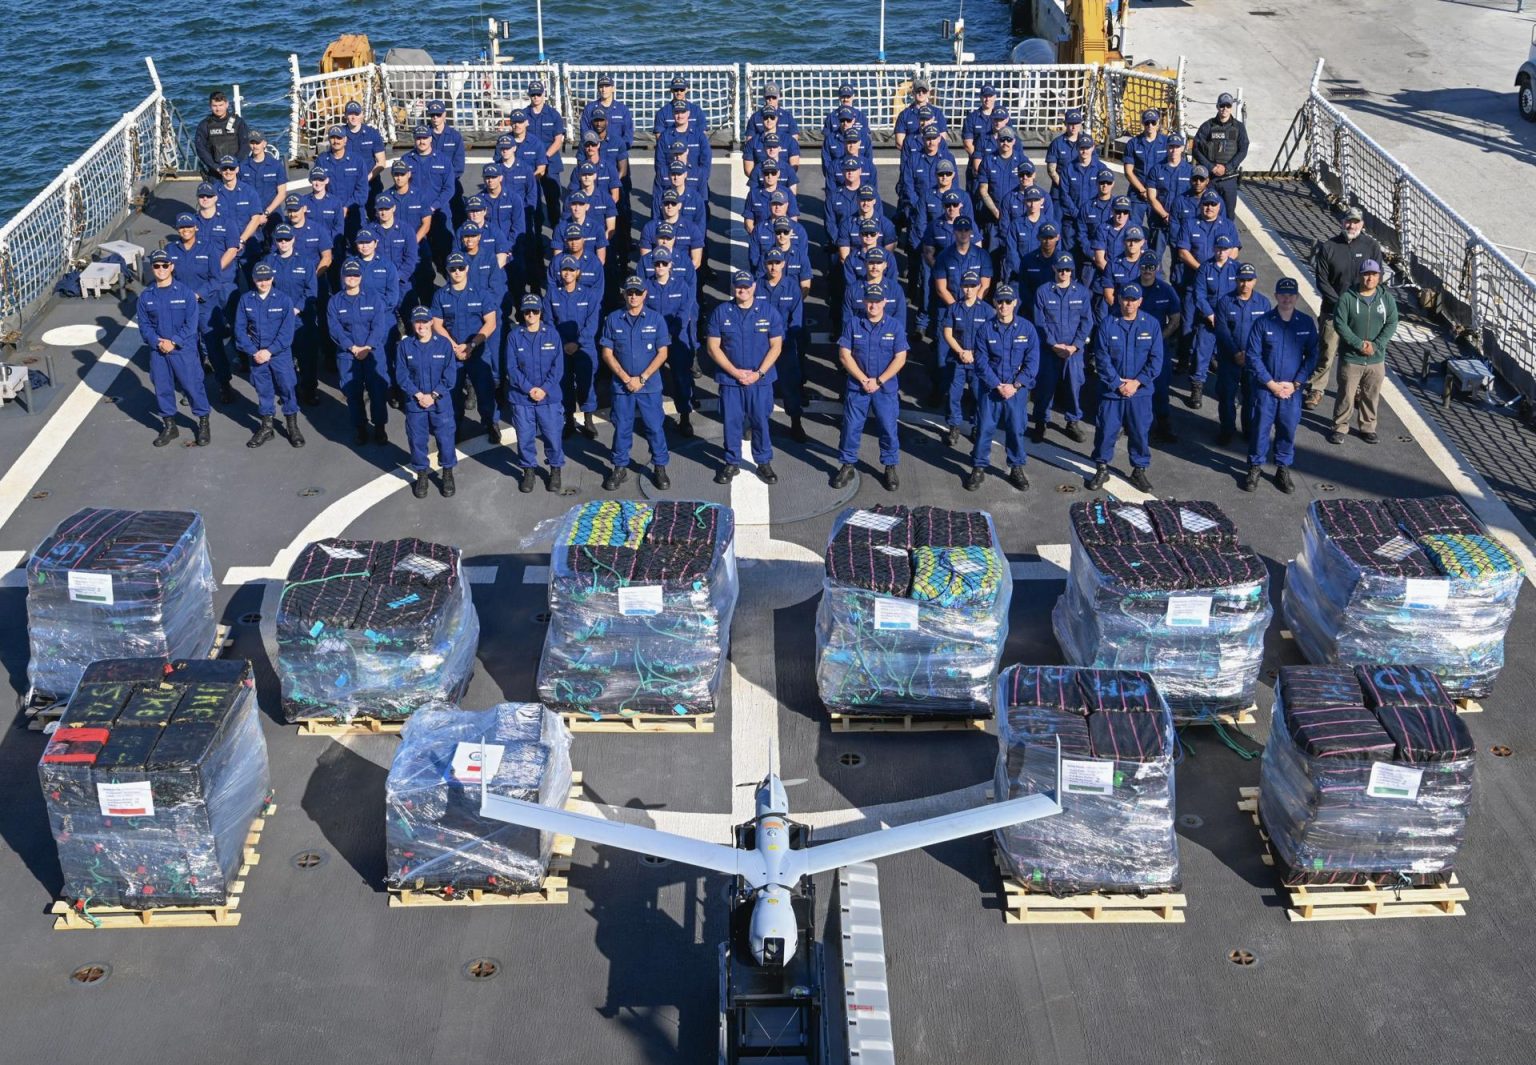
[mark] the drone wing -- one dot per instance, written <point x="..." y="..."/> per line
<point x="689" y="851"/>
<point x="820" y="857"/>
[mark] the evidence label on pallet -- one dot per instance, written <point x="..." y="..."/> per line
<point x="1087" y="778"/>
<point x="474" y="762"/>
<point x="898" y="615"/>
<point x="1188" y="612"/>
<point x="1426" y="593"/>
<point x="86" y="587"/>
<point x="1390" y="781"/>
<point x="640" y="600"/>
<point x="131" y="799"/>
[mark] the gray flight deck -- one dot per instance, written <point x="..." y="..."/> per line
<point x="320" y="969"/>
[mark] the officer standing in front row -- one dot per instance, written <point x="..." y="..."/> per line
<point x="633" y="345"/>
<point x="265" y="321"/>
<point x="1282" y="353"/>
<point x="168" y="318"/>
<point x="426" y="371"/>
<point x="1127" y="356"/>
<point x="872" y="351"/>
<point x="534" y="366"/>
<point x="359" y="324"/>
<point x="1007" y="359"/>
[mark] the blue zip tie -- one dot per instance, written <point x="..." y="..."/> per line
<point x="398" y="603"/>
<point x="679" y="709"/>
<point x="317" y="628"/>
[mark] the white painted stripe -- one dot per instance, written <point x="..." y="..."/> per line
<point x="536" y="575"/>
<point x="28" y="467"/>
<point x="481" y="574"/>
<point x="12" y="559"/>
<point x="1464" y="479"/>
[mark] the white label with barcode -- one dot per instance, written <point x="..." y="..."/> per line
<point x="1087" y="778"/>
<point x="640" y="600"/>
<point x="1188" y="612"/>
<point x="90" y="587"/>
<point x="467" y="766"/>
<point x="1425" y="593"/>
<point x="133" y="799"/>
<point x="898" y="615"/>
<point x="1390" y="781"/>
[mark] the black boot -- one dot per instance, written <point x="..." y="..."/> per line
<point x="1196" y="395"/>
<point x="952" y="436"/>
<point x="1018" y="478"/>
<point x="1099" y="479"/>
<point x="725" y="474"/>
<point x="797" y="431"/>
<point x="660" y="478"/>
<point x="360" y="435"/>
<point x="765" y="473"/>
<point x="843" y="475"/>
<point x="419" y="489"/>
<point x="263" y="432"/>
<point x="226" y="393"/>
<point x="892" y="479"/>
<point x="616" y="476"/>
<point x="554" y="479"/>
<point x="202" y="431"/>
<point x="975" y="479"/>
<point x="1037" y="434"/>
<point x="1140" y="480"/>
<point x="1224" y="437"/>
<point x="526" y="479"/>
<point x="570" y="426"/>
<point x="380" y="435"/>
<point x="1077" y="436"/>
<point x="587" y="429"/>
<point x="1251" y="482"/>
<point x="493" y="432"/>
<point x="291" y="422"/>
<point x="1283" y="479"/>
<point x="685" y="427"/>
<point x="448" y="487"/>
<point x="168" y="432"/>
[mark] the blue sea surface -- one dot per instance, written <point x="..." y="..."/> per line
<point x="69" y="71"/>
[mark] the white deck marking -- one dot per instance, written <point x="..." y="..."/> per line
<point x="535" y="574"/>
<point x="481" y="574"/>
<point x="10" y="575"/>
<point x="1465" y="481"/>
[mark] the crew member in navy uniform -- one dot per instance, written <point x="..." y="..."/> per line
<point x="633" y="345"/>
<point x="264" y="328"/>
<point x="1007" y="357"/>
<point x="221" y="132"/>
<point x="1221" y="145"/>
<point x="1282" y="353"/>
<point x="359" y="322"/>
<point x="1161" y="300"/>
<point x="1127" y="355"/>
<point x="872" y="350"/>
<point x="784" y="294"/>
<point x="679" y="89"/>
<point x="465" y="315"/>
<point x="449" y="142"/>
<point x="958" y="328"/>
<point x="426" y="371"/>
<point x="366" y="143"/>
<point x="1146" y="153"/>
<point x="197" y="267"/>
<point x="545" y="123"/>
<point x="673" y="295"/>
<point x="168" y="317"/>
<point x="576" y="312"/>
<point x="1063" y="315"/>
<point x="1235" y="314"/>
<point x="534" y="366"/>
<point x="265" y="173"/>
<point x="745" y="338"/>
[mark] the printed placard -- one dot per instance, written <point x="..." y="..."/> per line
<point x="1087" y="778"/>
<point x="640" y="600"/>
<point x="87" y="587"/>
<point x="467" y="768"/>
<point x="868" y="519"/>
<point x="899" y="615"/>
<point x="1425" y="593"/>
<point x="1390" y="781"/>
<point x="1194" y="522"/>
<point x="1188" y="612"/>
<point x="1136" y="516"/>
<point x="133" y="799"/>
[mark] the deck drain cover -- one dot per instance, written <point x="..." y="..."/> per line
<point x="1066" y="489"/>
<point x="305" y="493"/>
<point x="651" y="859"/>
<point x="91" y="975"/>
<point x="1242" y="957"/>
<point x="542" y="617"/>
<point x="1324" y="486"/>
<point x="481" y="969"/>
<point x="1191" y="820"/>
<point x="309" y="859"/>
<point x="1501" y="750"/>
<point x="851" y="759"/>
<point x="40" y="495"/>
<point x="250" y="619"/>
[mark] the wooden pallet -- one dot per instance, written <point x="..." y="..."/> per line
<point x="41" y="711"/>
<point x="1356" y="902"/>
<point x="1022" y="905"/>
<point x="553" y="891"/>
<point x="1245" y="716"/>
<point x="358" y="726"/>
<point x="627" y="722"/>
<point x="905" y="723"/>
<point x="69" y="918"/>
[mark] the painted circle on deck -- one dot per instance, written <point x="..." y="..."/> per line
<point x="74" y="336"/>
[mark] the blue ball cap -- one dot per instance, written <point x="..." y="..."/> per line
<point x="1286" y="286"/>
<point x="771" y="140"/>
<point x="662" y="255"/>
<point x="1135" y="233"/>
<point x="159" y="256"/>
<point x="570" y="262"/>
<point x="1033" y="194"/>
<point x="229" y="162"/>
<point x="1065" y="262"/>
<point x="970" y="279"/>
<point x="776" y="255"/>
<point x="1209" y="198"/>
<point x="1130" y="291"/>
<point x="849" y="136"/>
<point x="207" y="189"/>
<point x="665" y="229"/>
<point x="1026" y="166"/>
<point x="318" y="173"/>
<point x="504" y="141"/>
<point x="678" y="168"/>
<point x="778" y="196"/>
<point x="1246" y="272"/>
<point x="1074" y="117"/>
<point x="474" y="203"/>
<point x="1370" y="266"/>
<point x="875" y="255"/>
<point x="1226" y="99"/>
<point x="845" y="89"/>
<point x="283" y="233"/>
<point x="490" y="170"/>
<point x="422" y="132"/>
<point x="741" y="279"/>
<point x="1150" y="115"/>
<point x="671" y="196"/>
<point x="578" y="197"/>
<point x="1224" y="241"/>
<point x="988" y="90"/>
<point x="850" y="163"/>
<point x="678" y="83"/>
<point x="964" y="223"/>
<point x="632" y="283"/>
<point x="186" y="221"/>
<point x="1007" y="134"/>
<point x="436" y="107"/>
<point x="781" y="225"/>
<point x="944" y="167"/>
<point x="679" y="107"/>
<point x="351" y="268"/>
<point x="869" y="227"/>
<point x="535" y="88"/>
<point x="383" y="202"/>
<point x="262" y="272"/>
<point x="874" y="294"/>
<point x="586" y="168"/>
<point x="1106" y="177"/>
<point x="469" y="229"/>
<point x="1003" y="294"/>
<point x="1085" y="144"/>
<point x="292" y="203"/>
<point x="530" y="302"/>
<point x="605" y="81"/>
<point x="518" y="117"/>
<point x="399" y="166"/>
<point x="421" y="314"/>
<point x="1198" y="171"/>
<point x="600" y="114"/>
<point x="865" y="194"/>
<point x="846" y="114"/>
<point x="1121" y="203"/>
<point x="950" y="199"/>
<point x="573" y="232"/>
<point x="1047" y="230"/>
<point x="337" y="132"/>
<point x="770" y="166"/>
<point x="353" y="108"/>
<point x="457" y="260"/>
<point x="366" y="236"/>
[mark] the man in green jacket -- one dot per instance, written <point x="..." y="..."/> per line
<point x="1366" y="318"/>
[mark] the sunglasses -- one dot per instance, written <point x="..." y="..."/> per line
<point x="161" y="266"/>
<point x="457" y="269"/>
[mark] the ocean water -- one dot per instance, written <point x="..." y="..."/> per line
<point x="68" y="71"/>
